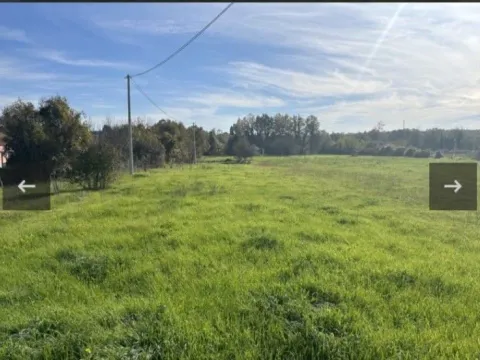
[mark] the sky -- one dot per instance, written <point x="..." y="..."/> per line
<point x="351" y="65"/>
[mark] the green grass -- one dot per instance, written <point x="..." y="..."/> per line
<point x="286" y="258"/>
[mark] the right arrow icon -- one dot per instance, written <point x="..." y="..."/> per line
<point x="457" y="186"/>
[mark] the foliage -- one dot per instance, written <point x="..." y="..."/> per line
<point x="49" y="136"/>
<point x="148" y="151"/>
<point x="422" y="154"/>
<point x="400" y="151"/>
<point x="477" y="155"/>
<point x="410" y="152"/>
<point x="55" y="136"/>
<point x="94" y="168"/>
<point x="243" y="150"/>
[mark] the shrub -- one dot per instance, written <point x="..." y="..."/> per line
<point x="369" y="151"/>
<point x="243" y="150"/>
<point x="422" y="154"/>
<point x="400" y="151"/>
<point x="477" y="155"/>
<point x="410" y="152"/>
<point x="438" y="155"/>
<point x="386" y="151"/>
<point x="94" y="168"/>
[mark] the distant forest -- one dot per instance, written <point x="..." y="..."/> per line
<point x="58" y="136"/>
<point x="284" y="135"/>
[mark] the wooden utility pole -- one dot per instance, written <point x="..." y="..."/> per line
<point x="130" y="135"/>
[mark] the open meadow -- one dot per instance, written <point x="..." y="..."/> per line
<point x="316" y="257"/>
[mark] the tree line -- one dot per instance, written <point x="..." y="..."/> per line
<point x="58" y="137"/>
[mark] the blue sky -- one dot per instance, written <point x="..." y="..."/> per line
<point x="351" y="65"/>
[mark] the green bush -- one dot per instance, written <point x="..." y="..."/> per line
<point x="369" y="151"/>
<point x="386" y="151"/>
<point x="438" y="155"/>
<point x="410" y="152"/>
<point x="422" y="154"/>
<point x="243" y="150"/>
<point x="94" y="168"/>
<point x="400" y="151"/>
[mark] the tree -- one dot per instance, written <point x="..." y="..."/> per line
<point x="48" y="136"/>
<point x="477" y="156"/>
<point x="243" y="150"/>
<point x="148" y="151"/>
<point x="214" y="144"/>
<point x="65" y="131"/>
<point x="438" y="155"/>
<point x="25" y="138"/>
<point x="171" y="135"/>
<point x="94" y="168"/>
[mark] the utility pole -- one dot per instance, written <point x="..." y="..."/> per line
<point x="194" y="146"/>
<point x="130" y="126"/>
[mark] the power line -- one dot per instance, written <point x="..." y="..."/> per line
<point x="187" y="43"/>
<point x="150" y="99"/>
<point x="159" y="108"/>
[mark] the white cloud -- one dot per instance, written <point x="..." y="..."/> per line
<point x="6" y="100"/>
<point x="13" y="35"/>
<point x="149" y="27"/>
<point x="426" y="70"/>
<point x="235" y="100"/>
<point x="14" y="70"/>
<point x="298" y="83"/>
<point x="351" y="65"/>
<point x="416" y="62"/>
<point x="102" y="106"/>
<point x="60" y="58"/>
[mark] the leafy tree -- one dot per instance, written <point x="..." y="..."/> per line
<point x="65" y="131"/>
<point x="148" y="151"/>
<point x="25" y="138"/>
<point x="171" y="135"/>
<point x="243" y="149"/>
<point x="48" y="136"/>
<point x="422" y="154"/>
<point x="438" y="155"/>
<point x="214" y="144"/>
<point x="410" y="152"/>
<point x="95" y="167"/>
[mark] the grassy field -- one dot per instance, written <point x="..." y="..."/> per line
<point x="285" y="258"/>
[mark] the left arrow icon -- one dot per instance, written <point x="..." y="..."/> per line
<point x="22" y="186"/>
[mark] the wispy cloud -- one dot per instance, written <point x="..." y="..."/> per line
<point x="102" y="106"/>
<point x="146" y="26"/>
<point x="349" y="64"/>
<point x="421" y="65"/>
<point x="60" y="58"/>
<point x="13" y="70"/>
<point x="298" y="83"/>
<point x="13" y="35"/>
<point x="6" y="100"/>
<point x="238" y="100"/>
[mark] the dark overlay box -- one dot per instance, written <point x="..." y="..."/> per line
<point x="25" y="188"/>
<point x="453" y="186"/>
